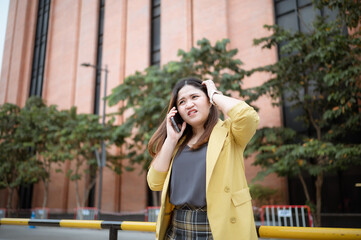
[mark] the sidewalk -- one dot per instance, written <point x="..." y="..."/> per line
<point x="8" y="232"/>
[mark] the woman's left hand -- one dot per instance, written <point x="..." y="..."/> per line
<point x="223" y="103"/>
<point x="211" y="87"/>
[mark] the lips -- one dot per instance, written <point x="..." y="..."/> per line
<point x="191" y="112"/>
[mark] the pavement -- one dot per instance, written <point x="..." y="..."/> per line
<point x="9" y="232"/>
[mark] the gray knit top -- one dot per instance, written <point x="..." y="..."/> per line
<point x="188" y="177"/>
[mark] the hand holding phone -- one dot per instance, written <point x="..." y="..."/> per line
<point x="175" y="124"/>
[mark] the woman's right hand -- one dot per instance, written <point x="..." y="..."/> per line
<point x="162" y="160"/>
<point x="172" y="134"/>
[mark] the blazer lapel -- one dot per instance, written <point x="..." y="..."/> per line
<point x="215" y="144"/>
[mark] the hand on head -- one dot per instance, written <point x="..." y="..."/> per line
<point x="211" y="87"/>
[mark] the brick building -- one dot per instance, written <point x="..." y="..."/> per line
<point x="48" y="40"/>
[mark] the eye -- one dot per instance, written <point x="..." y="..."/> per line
<point x="195" y="96"/>
<point x="181" y="102"/>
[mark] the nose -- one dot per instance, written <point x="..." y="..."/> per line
<point x="189" y="104"/>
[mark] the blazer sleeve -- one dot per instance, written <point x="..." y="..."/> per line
<point x="156" y="179"/>
<point x="244" y="122"/>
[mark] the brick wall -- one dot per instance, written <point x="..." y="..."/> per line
<point x="72" y="39"/>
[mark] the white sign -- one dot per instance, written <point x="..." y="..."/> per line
<point x="284" y="213"/>
<point x="86" y="212"/>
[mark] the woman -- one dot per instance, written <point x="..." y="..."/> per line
<point x="200" y="169"/>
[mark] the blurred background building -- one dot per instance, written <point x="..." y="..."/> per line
<point x="48" y="40"/>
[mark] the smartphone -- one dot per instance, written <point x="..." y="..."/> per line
<point x="176" y="122"/>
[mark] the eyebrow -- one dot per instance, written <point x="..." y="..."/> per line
<point x="191" y="94"/>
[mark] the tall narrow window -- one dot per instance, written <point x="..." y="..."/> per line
<point x="155" y="33"/>
<point x="294" y="15"/>
<point x="99" y="55"/>
<point x="36" y="81"/>
<point x="153" y="197"/>
<point x="91" y="196"/>
<point x="37" y="72"/>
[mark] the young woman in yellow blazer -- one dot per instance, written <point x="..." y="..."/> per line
<point x="200" y="169"/>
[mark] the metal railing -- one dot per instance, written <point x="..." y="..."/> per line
<point x="263" y="231"/>
<point x="308" y="233"/>
<point x="113" y="226"/>
<point x="286" y="215"/>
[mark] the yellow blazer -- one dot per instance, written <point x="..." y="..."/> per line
<point x="229" y="205"/>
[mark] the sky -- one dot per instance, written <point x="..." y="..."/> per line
<point x="4" y="8"/>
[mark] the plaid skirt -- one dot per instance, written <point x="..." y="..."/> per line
<point x="189" y="223"/>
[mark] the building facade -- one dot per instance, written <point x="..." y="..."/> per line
<point x="48" y="40"/>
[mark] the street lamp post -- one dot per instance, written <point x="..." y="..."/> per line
<point x="101" y="163"/>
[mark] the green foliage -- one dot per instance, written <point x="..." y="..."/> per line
<point x="278" y="152"/>
<point x="318" y="74"/>
<point x="38" y="131"/>
<point x="14" y="168"/>
<point x="38" y="137"/>
<point x="147" y="93"/>
<point x="349" y="10"/>
<point x="80" y="136"/>
<point x="261" y="193"/>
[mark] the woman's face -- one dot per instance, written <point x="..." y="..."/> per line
<point x="193" y="106"/>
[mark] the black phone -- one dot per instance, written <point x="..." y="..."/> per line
<point x="176" y="121"/>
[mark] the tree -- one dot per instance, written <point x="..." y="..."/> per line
<point x="147" y="93"/>
<point x="16" y="167"/>
<point x="319" y="74"/>
<point x="37" y="137"/>
<point x="80" y="137"/>
<point x="39" y="131"/>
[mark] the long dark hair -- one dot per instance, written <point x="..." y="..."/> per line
<point x="157" y="140"/>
